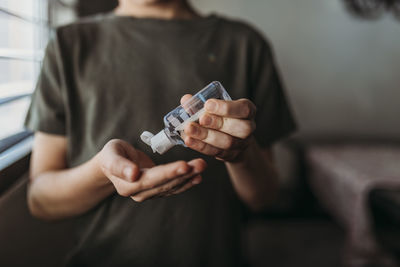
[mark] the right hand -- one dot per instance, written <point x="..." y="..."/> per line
<point x="134" y="174"/>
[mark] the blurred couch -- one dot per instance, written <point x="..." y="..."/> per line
<point x="26" y="241"/>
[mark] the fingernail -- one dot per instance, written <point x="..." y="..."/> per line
<point x="128" y="172"/>
<point x="211" y="105"/>
<point x="207" y="120"/>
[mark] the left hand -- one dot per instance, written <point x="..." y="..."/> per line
<point x="224" y="130"/>
<point x="133" y="173"/>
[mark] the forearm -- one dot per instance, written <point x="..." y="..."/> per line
<point x="254" y="177"/>
<point x="65" y="193"/>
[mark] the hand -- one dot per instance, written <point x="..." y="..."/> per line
<point x="134" y="175"/>
<point x="224" y="131"/>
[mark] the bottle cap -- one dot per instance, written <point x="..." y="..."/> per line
<point x="160" y="142"/>
<point x="146" y="137"/>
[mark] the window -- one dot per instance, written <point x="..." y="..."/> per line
<point x="24" y="33"/>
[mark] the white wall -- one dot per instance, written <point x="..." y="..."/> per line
<point x="342" y="74"/>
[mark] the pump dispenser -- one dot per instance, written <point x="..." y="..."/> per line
<point x="176" y="120"/>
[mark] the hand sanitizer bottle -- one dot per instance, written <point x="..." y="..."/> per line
<point x="176" y="120"/>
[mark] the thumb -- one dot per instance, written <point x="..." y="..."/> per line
<point x="120" y="159"/>
<point x="185" y="98"/>
<point x="136" y="156"/>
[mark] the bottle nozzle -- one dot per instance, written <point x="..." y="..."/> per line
<point x="160" y="142"/>
<point x="146" y="137"/>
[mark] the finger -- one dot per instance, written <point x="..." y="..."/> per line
<point x="126" y="150"/>
<point x="123" y="187"/>
<point x="162" y="189"/>
<point x="207" y="149"/>
<point x="185" y="98"/>
<point x="199" y="165"/>
<point x="202" y="147"/>
<point x="192" y="182"/>
<point x="215" y="138"/>
<point x="161" y="174"/>
<point x="234" y="127"/>
<point x="186" y="106"/>
<point x="114" y="164"/>
<point x="137" y="156"/>
<point x="186" y="186"/>
<point x="230" y="156"/>
<point x="239" y="109"/>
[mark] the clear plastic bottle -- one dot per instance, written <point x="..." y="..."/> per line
<point x="176" y="120"/>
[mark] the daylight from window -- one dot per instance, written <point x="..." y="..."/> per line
<point x="23" y="36"/>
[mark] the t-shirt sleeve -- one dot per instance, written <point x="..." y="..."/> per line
<point x="274" y="118"/>
<point x="47" y="110"/>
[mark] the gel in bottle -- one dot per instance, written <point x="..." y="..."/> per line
<point x="176" y="120"/>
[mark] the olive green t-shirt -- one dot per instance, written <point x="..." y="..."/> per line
<point x="111" y="77"/>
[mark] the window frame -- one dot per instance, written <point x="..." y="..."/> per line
<point x="15" y="149"/>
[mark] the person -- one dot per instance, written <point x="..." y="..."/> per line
<point x="107" y="78"/>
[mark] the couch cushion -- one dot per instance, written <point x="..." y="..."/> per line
<point x="26" y="241"/>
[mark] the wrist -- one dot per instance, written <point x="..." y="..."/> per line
<point x="96" y="170"/>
